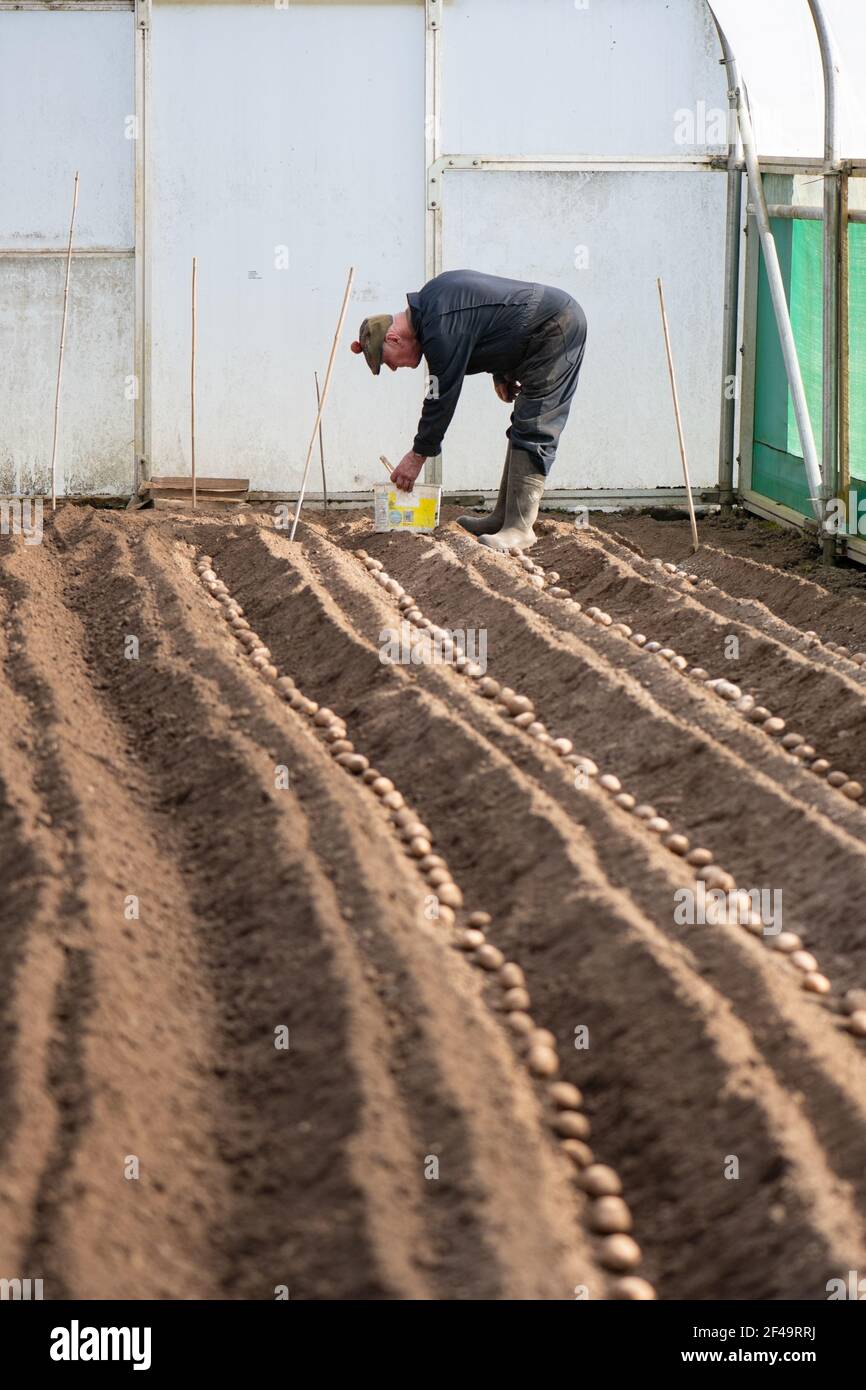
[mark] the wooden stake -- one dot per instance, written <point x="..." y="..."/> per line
<point x="62" y="345"/>
<point x="695" y="541"/>
<point x="192" y="383"/>
<point x="321" y="445"/>
<point x="327" y="384"/>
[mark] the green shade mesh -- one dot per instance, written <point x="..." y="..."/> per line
<point x="778" y="472"/>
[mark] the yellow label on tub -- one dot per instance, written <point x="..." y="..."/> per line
<point x="413" y="511"/>
<point x="421" y="513"/>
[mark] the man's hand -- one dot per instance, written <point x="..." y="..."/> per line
<point x="407" y="471"/>
<point x="506" y="390"/>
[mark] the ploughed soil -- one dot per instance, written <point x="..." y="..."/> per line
<point x="738" y="534"/>
<point x="239" y="1058"/>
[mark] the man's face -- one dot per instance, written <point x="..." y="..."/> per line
<point x="399" y="351"/>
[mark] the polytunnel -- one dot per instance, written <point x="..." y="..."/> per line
<point x="431" y="900"/>
<point x="802" y="130"/>
<point x="547" y="141"/>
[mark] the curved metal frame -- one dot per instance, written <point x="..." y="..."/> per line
<point x="817" y="491"/>
<point x="733" y="217"/>
<point x="824" y="480"/>
<point x="832" y="246"/>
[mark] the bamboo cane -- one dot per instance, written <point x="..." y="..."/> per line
<point x="192" y="383"/>
<point x="695" y="541"/>
<point x="321" y="445"/>
<point x="320" y="411"/>
<point x="62" y="345"/>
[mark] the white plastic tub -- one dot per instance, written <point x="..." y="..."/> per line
<point x="394" y="510"/>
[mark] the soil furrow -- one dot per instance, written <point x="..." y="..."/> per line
<point x="293" y="609"/>
<point x="716" y="789"/>
<point x="443" y="1044"/>
<point x="410" y="1023"/>
<point x="264" y="920"/>
<point x="684" y="697"/>
<point x="789" y="597"/>
<point x="101" y="1057"/>
<point x="824" y="698"/>
<point x="241" y="1058"/>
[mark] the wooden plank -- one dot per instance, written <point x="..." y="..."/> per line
<point x="208" y="484"/>
<point x="218" y="503"/>
<point x="205" y="493"/>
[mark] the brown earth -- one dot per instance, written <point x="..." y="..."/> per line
<point x="739" y="535"/>
<point x="151" y="1038"/>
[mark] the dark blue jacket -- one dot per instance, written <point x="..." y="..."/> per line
<point x="467" y="322"/>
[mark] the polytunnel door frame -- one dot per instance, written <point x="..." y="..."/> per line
<point x="140" y="13"/>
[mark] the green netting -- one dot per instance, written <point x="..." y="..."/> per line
<point x="778" y="472"/>
<point x="857" y="350"/>
<point x="806" y="299"/>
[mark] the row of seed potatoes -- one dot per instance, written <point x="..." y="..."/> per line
<point x="796" y="744"/>
<point x="609" y="1216"/>
<point x="683" y="580"/>
<point x="520" y="710"/>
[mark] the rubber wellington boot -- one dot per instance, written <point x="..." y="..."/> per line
<point x="491" y="521"/>
<point x="522" y="500"/>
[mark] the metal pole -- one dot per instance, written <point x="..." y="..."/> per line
<point x="142" y="409"/>
<point x="433" y="17"/>
<point x="817" y="491"/>
<point x="832" y="191"/>
<point x="844" y="351"/>
<point x="730" y="322"/>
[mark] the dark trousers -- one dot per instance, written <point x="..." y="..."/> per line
<point x="548" y="380"/>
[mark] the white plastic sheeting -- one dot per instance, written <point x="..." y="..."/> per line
<point x="66" y="95"/>
<point x="288" y="141"/>
<point x="585" y="233"/>
<point x="549" y="77"/>
<point x="776" y="47"/>
<point x="275" y="161"/>
<point x="620" y="77"/>
<point x="263" y="134"/>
